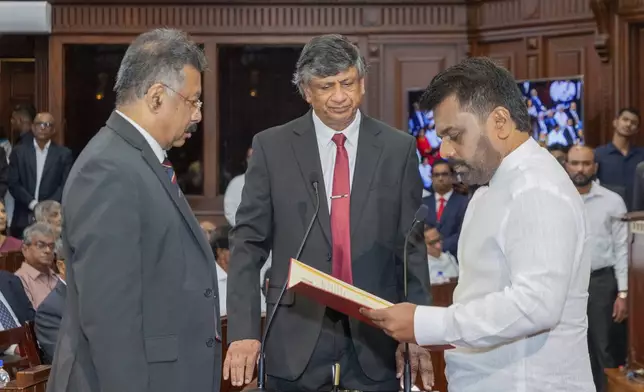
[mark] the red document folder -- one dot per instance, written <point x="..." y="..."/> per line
<point x="337" y="294"/>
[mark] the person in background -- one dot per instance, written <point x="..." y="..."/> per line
<point x="36" y="272"/>
<point x="22" y="119"/>
<point x="47" y="321"/>
<point x="49" y="211"/>
<point x="426" y="173"/>
<point x="209" y="229"/>
<point x="608" y="249"/>
<point x="15" y="308"/>
<point x="7" y="242"/>
<point x="233" y="194"/>
<point x="442" y="265"/>
<point x="618" y="159"/>
<point x="37" y="171"/>
<point x="559" y="151"/>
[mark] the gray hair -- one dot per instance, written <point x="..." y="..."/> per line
<point x="40" y="228"/>
<point x="327" y="55"/>
<point x="157" y="56"/>
<point x="46" y="209"/>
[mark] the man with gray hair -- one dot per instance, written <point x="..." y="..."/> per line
<point x="366" y="177"/>
<point x="142" y="307"/>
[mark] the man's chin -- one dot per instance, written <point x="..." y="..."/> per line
<point x="179" y="142"/>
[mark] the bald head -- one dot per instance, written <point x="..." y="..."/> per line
<point x="581" y="167"/>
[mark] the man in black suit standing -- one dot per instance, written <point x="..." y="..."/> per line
<point x="37" y="172"/>
<point x="142" y="310"/>
<point x="369" y="189"/>
<point x="446" y="207"/>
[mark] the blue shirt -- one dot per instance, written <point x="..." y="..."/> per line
<point x="617" y="171"/>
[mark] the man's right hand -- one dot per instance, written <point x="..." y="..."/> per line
<point x="240" y="361"/>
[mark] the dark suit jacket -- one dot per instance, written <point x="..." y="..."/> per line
<point x="142" y="306"/>
<point x="13" y="291"/>
<point x="47" y="320"/>
<point x="4" y="173"/>
<point x="22" y="178"/>
<point x="638" y="188"/>
<point x="277" y="204"/>
<point x="451" y="221"/>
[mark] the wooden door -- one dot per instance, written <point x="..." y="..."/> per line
<point x="16" y="87"/>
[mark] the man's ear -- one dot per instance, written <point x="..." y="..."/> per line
<point x="501" y="119"/>
<point x="155" y="96"/>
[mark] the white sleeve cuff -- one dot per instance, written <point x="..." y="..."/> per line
<point x="33" y="204"/>
<point x="429" y="325"/>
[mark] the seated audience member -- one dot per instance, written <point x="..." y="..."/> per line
<point x="208" y="228"/>
<point x="441" y="264"/>
<point x="36" y="273"/>
<point x="50" y="212"/>
<point x="221" y="250"/>
<point x="446" y="207"/>
<point x="15" y="308"/>
<point x="47" y="320"/>
<point x="7" y="243"/>
<point x="559" y="151"/>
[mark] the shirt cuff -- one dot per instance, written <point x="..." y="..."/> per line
<point x="33" y="204"/>
<point x="429" y="325"/>
<point x="622" y="284"/>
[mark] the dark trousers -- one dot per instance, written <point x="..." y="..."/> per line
<point x="334" y="345"/>
<point x="602" y="292"/>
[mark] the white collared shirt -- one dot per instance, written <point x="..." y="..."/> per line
<point x="444" y="266"/>
<point x="222" y="285"/>
<point x="41" y="157"/>
<point x="445" y="196"/>
<point x="156" y="147"/>
<point x="608" y="234"/>
<point x="328" y="150"/>
<point x="518" y="321"/>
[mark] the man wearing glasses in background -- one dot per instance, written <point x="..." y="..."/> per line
<point x="37" y="172"/>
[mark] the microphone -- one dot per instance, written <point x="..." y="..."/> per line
<point x="261" y="365"/>
<point x="419" y="217"/>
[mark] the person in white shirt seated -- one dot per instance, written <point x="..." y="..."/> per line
<point x="221" y="250"/>
<point x="442" y="265"/>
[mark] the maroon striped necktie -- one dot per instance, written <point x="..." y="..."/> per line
<point x="167" y="165"/>
<point x="340" y="213"/>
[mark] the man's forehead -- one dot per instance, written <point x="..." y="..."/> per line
<point x="44" y="117"/>
<point x="350" y="73"/>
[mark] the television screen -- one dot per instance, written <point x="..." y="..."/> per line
<point x="420" y="124"/>
<point x="555" y="109"/>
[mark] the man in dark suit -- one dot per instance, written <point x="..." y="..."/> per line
<point x="37" y="172"/>
<point x="369" y="189"/>
<point x="47" y="320"/>
<point x="15" y="308"/>
<point x="446" y="207"/>
<point x="142" y="310"/>
<point x="22" y="119"/>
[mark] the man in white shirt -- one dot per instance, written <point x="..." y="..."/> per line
<point x="442" y="265"/>
<point x="518" y="322"/>
<point x="233" y="194"/>
<point x="608" y="250"/>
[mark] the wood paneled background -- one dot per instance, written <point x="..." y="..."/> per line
<point x="405" y="42"/>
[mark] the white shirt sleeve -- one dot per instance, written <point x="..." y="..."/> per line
<point x="619" y="234"/>
<point x="539" y="241"/>
<point x="232" y="198"/>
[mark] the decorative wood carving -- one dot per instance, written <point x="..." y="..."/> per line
<point x="503" y="14"/>
<point x="629" y="6"/>
<point x="258" y="19"/>
<point x="603" y="11"/>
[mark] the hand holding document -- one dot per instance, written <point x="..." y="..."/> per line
<point x="397" y="320"/>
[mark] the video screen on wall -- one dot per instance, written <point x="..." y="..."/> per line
<point x="555" y="109"/>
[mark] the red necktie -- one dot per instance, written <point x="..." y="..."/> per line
<point x="167" y="165"/>
<point x="441" y="207"/>
<point x="340" y="212"/>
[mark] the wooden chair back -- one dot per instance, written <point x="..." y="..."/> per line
<point x="11" y="261"/>
<point x="25" y="337"/>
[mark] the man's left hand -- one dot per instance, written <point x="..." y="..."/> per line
<point x="619" y="310"/>
<point x="397" y="321"/>
<point x="420" y="361"/>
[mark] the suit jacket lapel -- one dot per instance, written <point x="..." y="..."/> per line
<point x="32" y="165"/>
<point x="305" y="147"/>
<point x="52" y="154"/>
<point x="130" y="134"/>
<point x="431" y="204"/>
<point x="369" y="151"/>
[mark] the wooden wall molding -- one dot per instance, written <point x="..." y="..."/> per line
<point x="505" y="14"/>
<point x="630" y="6"/>
<point x="603" y="11"/>
<point x="260" y="19"/>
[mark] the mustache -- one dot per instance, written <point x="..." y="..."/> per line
<point x="453" y="162"/>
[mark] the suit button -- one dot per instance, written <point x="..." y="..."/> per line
<point x="207" y="293"/>
<point x="328" y="257"/>
<point x="210" y="342"/>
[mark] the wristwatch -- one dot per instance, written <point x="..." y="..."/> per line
<point x="622" y="294"/>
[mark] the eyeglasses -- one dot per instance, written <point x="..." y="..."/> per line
<point x="45" y="245"/>
<point x="43" y="125"/>
<point x="196" y="103"/>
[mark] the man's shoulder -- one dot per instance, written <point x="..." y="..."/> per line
<point x="613" y="197"/>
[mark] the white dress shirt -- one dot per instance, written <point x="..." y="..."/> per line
<point x="444" y="266"/>
<point x="557" y="136"/>
<point x="156" y="147"/>
<point x="608" y="234"/>
<point x="12" y="349"/>
<point x="222" y="285"/>
<point x="41" y="157"/>
<point x="518" y="321"/>
<point x="327" y="149"/>
<point x="232" y="198"/>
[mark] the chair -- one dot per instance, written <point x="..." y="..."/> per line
<point x="11" y="261"/>
<point x="225" y="384"/>
<point x="25" y="337"/>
